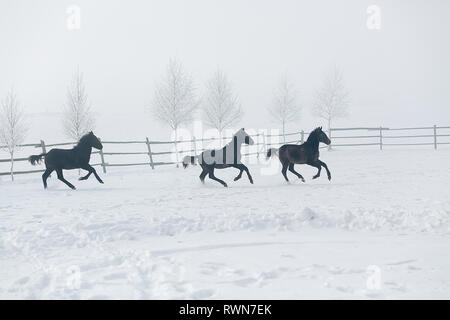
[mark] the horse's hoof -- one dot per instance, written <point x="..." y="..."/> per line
<point x="315" y="177"/>
<point x="236" y="179"/>
<point x="329" y="178"/>
<point x="225" y="185"/>
<point x="303" y="180"/>
<point x="101" y="182"/>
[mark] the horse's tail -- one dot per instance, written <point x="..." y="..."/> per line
<point x="189" y="160"/>
<point x="36" y="159"/>
<point x="271" y="153"/>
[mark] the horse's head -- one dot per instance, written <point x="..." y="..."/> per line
<point x="244" y="136"/>
<point x="94" y="141"/>
<point x="322" y="136"/>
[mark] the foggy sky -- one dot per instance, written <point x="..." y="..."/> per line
<point x="396" y="76"/>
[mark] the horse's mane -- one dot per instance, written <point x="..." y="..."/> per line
<point x="236" y="133"/>
<point x="313" y="135"/>
<point x="82" y="140"/>
<point x="231" y="143"/>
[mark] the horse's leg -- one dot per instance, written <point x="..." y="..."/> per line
<point x="204" y="172"/>
<point x="213" y="177"/>
<point x="291" y="169"/>
<point x="91" y="169"/>
<point x="240" y="172"/>
<point x="316" y="165"/>
<point x="283" y="171"/>
<point x="86" y="176"/>
<point x="45" y="175"/>
<point x="203" y="175"/>
<point x="61" y="177"/>
<point x="96" y="175"/>
<point x="244" y="167"/>
<point x="323" y="164"/>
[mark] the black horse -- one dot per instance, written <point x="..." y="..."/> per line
<point x="228" y="156"/>
<point x="75" y="158"/>
<point x="306" y="153"/>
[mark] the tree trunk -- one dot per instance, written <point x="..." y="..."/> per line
<point x="79" y="135"/>
<point x="284" y="137"/>
<point x="176" y="147"/>
<point x="12" y="165"/>
<point x="329" y="132"/>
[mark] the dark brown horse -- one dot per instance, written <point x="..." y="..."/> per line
<point x="306" y="153"/>
<point x="77" y="157"/>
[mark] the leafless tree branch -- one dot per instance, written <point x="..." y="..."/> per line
<point x="332" y="99"/>
<point x="77" y="116"/>
<point x="12" y="126"/>
<point x="285" y="107"/>
<point x="221" y="108"/>
<point x="174" y="101"/>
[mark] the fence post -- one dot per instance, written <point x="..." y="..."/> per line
<point x="102" y="157"/>
<point x="176" y="151"/>
<point x="149" y="148"/>
<point x="194" y="144"/>
<point x="264" y="143"/>
<point x="257" y="146"/>
<point x="435" y="137"/>
<point x="329" y="147"/>
<point x="381" y="138"/>
<point x="302" y="137"/>
<point x="43" y="146"/>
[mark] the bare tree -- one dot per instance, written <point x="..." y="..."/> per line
<point x="77" y="117"/>
<point x="174" y="101"/>
<point x="221" y="107"/>
<point x="285" y="107"/>
<point x="12" y="126"/>
<point x="332" y="99"/>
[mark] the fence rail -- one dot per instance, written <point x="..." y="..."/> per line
<point x="372" y="136"/>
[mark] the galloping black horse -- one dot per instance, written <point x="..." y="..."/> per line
<point x="228" y="156"/>
<point x="306" y="153"/>
<point x="75" y="158"/>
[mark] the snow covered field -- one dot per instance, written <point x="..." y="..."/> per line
<point x="379" y="229"/>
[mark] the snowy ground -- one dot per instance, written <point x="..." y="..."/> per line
<point x="379" y="229"/>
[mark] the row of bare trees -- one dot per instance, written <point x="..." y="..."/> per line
<point x="331" y="101"/>
<point x="175" y="100"/>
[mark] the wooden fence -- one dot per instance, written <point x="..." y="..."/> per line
<point x="428" y="136"/>
<point x="341" y="137"/>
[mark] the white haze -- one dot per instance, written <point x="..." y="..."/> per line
<point x="397" y="76"/>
